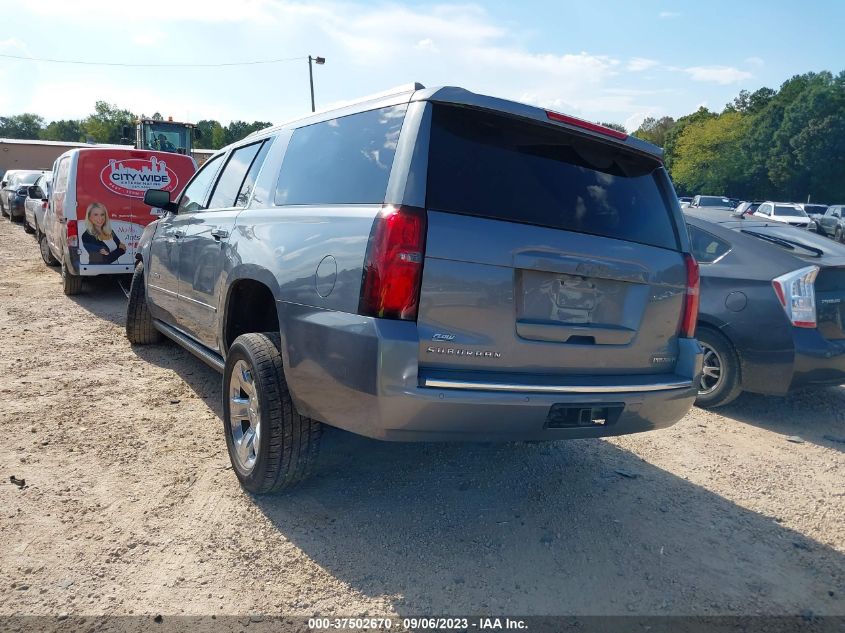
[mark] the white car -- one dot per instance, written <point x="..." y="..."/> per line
<point x="787" y="213"/>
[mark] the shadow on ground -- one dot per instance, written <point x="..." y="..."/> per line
<point x="573" y="527"/>
<point x="815" y="415"/>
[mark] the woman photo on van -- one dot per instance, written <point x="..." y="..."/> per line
<point x="99" y="239"/>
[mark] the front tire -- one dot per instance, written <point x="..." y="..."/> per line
<point x="720" y="378"/>
<point x="71" y="284"/>
<point x="271" y="446"/>
<point x="139" y="323"/>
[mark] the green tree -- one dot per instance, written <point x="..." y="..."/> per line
<point x="208" y="128"/>
<point x="671" y="137"/>
<point x="63" y="130"/>
<point x="22" y="126"/>
<point x="236" y="130"/>
<point x="615" y="126"/>
<point x="655" y="130"/>
<point x="708" y="159"/>
<point x="106" y="124"/>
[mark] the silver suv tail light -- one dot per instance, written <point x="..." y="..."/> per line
<point x="796" y="293"/>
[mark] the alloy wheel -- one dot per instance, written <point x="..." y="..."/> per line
<point x="711" y="371"/>
<point x="244" y="416"/>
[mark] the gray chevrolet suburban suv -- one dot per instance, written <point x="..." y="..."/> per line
<point x="432" y="264"/>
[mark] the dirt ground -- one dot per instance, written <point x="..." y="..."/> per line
<point x="130" y="505"/>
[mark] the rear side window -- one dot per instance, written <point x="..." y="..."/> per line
<point x="62" y="174"/>
<point x="706" y="248"/>
<point x="341" y="161"/>
<point x="503" y="168"/>
<point x="234" y="173"/>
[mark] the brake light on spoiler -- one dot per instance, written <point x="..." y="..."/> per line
<point x="586" y="125"/>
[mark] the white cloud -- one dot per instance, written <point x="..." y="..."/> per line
<point x="148" y="39"/>
<point x="427" y="44"/>
<point x="639" y="64"/>
<point x="717" y="74"/>
<point x="754" y="61"/>
<point x="669" y="14"/>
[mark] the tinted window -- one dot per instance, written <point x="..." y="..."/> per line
<point x="706" y="248"/>
<point x="504" y="168"/>
<point x="230" y="181"/>
<point x="195" y="194"/>
<point x="793" y="212"/>
<point x="342" y="161"/>
<point x="251" y="175"/>
<point x="713" y="201"/>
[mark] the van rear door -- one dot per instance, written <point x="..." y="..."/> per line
<point x="549" y="254"/>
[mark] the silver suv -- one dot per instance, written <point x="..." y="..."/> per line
<point x="429" y="265"/>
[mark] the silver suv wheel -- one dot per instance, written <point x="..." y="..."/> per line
<point x="711" y="370"/>
<point x="244" y="416"/>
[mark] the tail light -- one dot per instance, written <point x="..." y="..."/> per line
<point x="690" y="316"/>
<point x="72" y="234"/>
<point x="393" y="266"/>
<point x="797" y="294"/>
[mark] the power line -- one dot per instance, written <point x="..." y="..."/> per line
<point x="86" y="63"/>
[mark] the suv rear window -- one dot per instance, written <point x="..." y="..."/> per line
<point x="341" y="161"/>
<point x="504" y="168"/>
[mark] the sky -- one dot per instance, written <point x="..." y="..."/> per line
<point x="616" y="61"/>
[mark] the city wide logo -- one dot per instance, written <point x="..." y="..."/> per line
<point x="133" y="176"/>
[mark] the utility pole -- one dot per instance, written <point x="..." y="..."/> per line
<point x="319" y="61"/>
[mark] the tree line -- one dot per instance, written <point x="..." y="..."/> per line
<point x="105" y="125"/>
<point x="784" y="144"/>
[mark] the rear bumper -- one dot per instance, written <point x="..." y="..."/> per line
<point x="362" y="375"/>
<point x="798" y="358"/>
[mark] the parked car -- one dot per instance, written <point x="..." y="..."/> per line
<point x="685" y="201"/>
<point x="831" y="223"/>
<point x="772" y="307"/>
<point x="719" y="202"/>
<point x="813" y="211"/>
<point x="36" y="203"/>
<point x="429" y="265"/>
<point x="785" y="212"/>
<point x="13" y="194"/>
<point x="96" y="212"/>
<point x="748" y="208"/>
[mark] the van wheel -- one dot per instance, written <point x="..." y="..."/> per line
<point x="46" y="253"/>
<point x="71" y="284"/>
<point x="720" y="376"/>
<point x="271" y="446"/>
<point x="139" y="322"/>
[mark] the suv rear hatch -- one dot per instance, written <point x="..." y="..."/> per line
<point x="549" y="255"/>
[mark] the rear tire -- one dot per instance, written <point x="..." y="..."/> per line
<point x="71" y="284"/>
<point x="44" y="247"/>
<point x="720" y="379"/>
<point x="139" y="323"/>
<point x="271" y="446"/>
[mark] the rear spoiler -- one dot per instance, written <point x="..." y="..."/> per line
<point x="460" y="96"/>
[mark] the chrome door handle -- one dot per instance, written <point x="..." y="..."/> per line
<point x="219" y="234"/>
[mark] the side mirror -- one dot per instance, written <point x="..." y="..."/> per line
<point x="127" y="132"/>
<point x="158" y="198"/>
<point x="197" y="133"/>
<point x="4" y="183"/>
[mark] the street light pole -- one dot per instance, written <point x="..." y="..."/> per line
<point x="319" y="61"/>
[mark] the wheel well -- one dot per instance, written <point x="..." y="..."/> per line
<point x="250" y="308"/>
